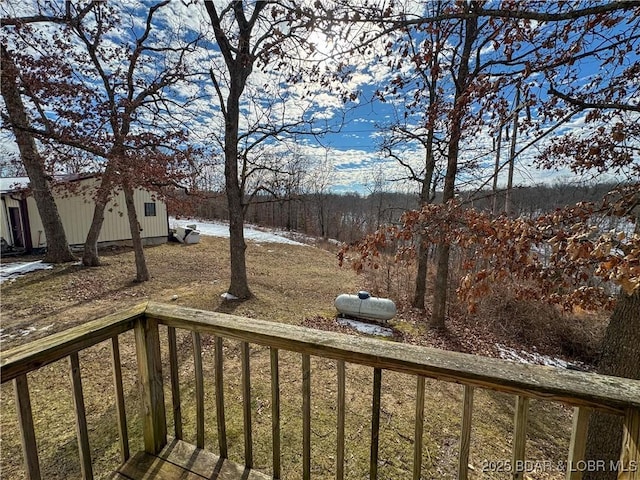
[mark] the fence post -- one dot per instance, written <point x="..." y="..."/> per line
<point x="151" y="388"/>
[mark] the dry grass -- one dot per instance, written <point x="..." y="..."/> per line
<point x="290" y="283"/>
<point x="542" y="327"/>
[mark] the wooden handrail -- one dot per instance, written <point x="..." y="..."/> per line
<point x="585" y="391"/>
<point x="580" y="389"/>
<point x="33" y="355"/>
<point x="612" y="394"/>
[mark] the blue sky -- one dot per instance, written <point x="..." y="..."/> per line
<point x="356" y="163"/>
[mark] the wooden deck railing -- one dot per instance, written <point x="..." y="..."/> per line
<point x="584" y="391"/>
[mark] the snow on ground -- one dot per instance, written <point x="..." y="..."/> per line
<point x="20" y="332"/>
<point x="367" y="328"/>
<point x="219" y="229"/>
<point x="534" y="358"/>
<point x="11" y="271"/>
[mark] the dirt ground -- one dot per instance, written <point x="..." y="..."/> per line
<point x="291" y="284"/>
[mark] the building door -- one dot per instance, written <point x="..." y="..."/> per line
<point x="16" y="227"/>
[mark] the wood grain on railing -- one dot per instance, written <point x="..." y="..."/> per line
<point x="199" y="381"/>
<point x="86" y="467"/>
<point x="610" y="394"/>
<point x="275" y="411"/>
<point x="121" y="413"/>
<point x="175" y="382"/>
<point x="25" y="423"/>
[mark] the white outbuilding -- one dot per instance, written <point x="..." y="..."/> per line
<point x="21" y="226"/>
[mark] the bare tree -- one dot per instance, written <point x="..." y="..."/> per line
<point x="248" y="37"/>
<point x="58" y="250"/>
<point x="107" y="99"/>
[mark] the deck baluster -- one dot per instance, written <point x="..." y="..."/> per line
<point x="419" y="429"/>
<point x="519" y="436"/>
<point x="306" y="417"/>
<point x="341" y="418"/>
<point x="81" y="419"/>
<point x="197" y="363"/>
<point x="120" y="408"/>
<point x="219" y="381"/>
<point x="275" y="411"/>
<point x="465" y="434"/>
<point x="246" y="405"/>
<point x="630" y="452"/>
<point x="578" y="443"/>
<point x="27" y="433"/>
<point x="375" y="423"/>
<point x="175" y="382"/>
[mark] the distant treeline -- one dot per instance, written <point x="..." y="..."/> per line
<point x="347" y="217"/>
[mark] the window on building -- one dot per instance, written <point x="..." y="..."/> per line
<point x="149" y="209"/>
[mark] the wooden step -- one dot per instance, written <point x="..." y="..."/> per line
<point x="181" y="460"/>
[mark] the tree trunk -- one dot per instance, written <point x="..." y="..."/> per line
<point x="58" y="250"/>
<point x="440" y="288"/>
<point x="461" y="104"/>
<point x="90" y="256"/>
<point x="239" y="283"/>
<point x="142" y="273"/>
<point x="239" y="61"/>
<point x="421" y="275"/>
<point x="423" y="247"/>
<point x="621" y="358"/>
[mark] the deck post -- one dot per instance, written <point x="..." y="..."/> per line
<point x="151" y="388"/>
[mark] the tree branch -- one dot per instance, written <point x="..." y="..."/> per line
<point x="583" y="105"/>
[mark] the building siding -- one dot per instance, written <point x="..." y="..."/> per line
<point x="76" y="211"/>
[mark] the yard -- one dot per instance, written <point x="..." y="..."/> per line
<point x="291" y="284"/>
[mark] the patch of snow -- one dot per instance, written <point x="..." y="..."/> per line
<point x="228" y="296"/>
<point x="368" y="328"/>
<point x="9" y="184"/>
<point x="23" y="332"/>
<point x="219" y="229"/>
<point x="11" y="271"/>
<point x="534" y="358"/>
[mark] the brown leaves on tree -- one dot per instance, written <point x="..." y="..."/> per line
<point x="564" y="257"/>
